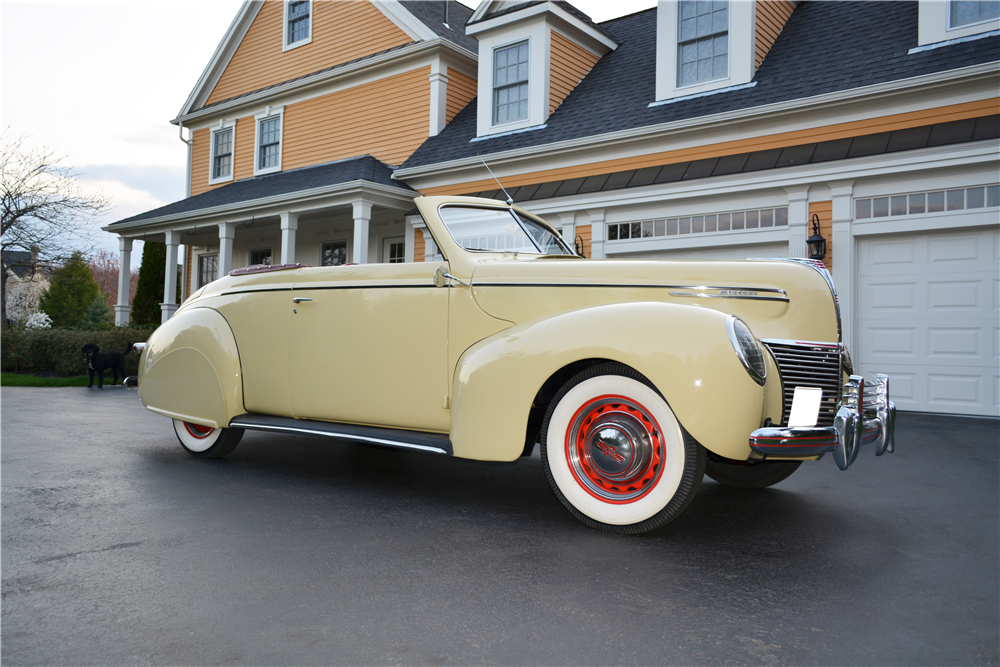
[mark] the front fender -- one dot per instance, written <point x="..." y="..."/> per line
<point x="684" y="351"/>
<point x="190" y="369"/>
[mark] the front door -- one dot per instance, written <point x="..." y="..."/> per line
<point x="369" y="345"/>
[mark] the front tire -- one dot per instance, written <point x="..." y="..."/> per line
<point x="205" y="442"/>
<point x="745" y="476"/>
<point x="614" y="454"/>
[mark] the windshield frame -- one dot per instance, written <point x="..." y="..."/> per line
<point x="524" y="222"/>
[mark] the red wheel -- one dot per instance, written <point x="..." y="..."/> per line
<point x="615" y="455"/>
<point x="206" y="442"/>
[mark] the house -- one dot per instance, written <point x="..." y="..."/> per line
<point x="691" y="130"/>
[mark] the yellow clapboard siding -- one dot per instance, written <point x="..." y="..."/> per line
<point x="771" y="18"/>
<point x="583" y="231"/>
<point x="889" y="123"/>
<point x="200" y="161"/>
<point x="461" y="90"/>
<point x="568" y="64"/>
<point x="387" y="119"/>
<point x="342" y="31"/>
<point x="418" y="246"/>
<point x="824" y="209"/>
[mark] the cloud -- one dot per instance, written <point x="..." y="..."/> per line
<point x="159" y="183"/>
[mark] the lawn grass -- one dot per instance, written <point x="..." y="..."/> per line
<point x="25" y="380"/>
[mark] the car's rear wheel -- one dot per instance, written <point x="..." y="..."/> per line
<point x="750" y="476"/>
<point x="615" y="455"/>
<point x="205" y="442"/>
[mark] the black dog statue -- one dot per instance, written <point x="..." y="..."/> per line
<point x="98" y="362"/>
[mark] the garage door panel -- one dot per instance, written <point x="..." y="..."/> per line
<point x="928" y="314"/>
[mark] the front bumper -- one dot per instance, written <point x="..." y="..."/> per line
<point x="865" y="416"/>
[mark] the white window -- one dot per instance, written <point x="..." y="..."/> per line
<point x="267" y="145"/>
<point x="260" y="257"/>
<point x="394" y="250"/>
<point x="967" y="12"/>
<point x="510" y="83"/>
<point x="298" y="24"/>
<point x="208" y="269"/>
<point x="702" y="42"/>
<point x="223" y="140"/>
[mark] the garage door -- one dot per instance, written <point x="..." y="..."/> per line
<point x="755" y="250"/>
<point x="928" y="317"/>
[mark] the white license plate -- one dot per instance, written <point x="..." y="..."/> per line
<point x="805" y="407"/>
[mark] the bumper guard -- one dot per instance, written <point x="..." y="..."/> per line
<point x="865" y="416"/>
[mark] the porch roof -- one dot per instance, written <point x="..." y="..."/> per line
<point x="364" y="168"/>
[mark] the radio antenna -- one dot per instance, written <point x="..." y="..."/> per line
<point x="510" y="201"/>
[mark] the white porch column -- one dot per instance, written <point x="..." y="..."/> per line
<point x="596" y="233"/>
<point x="439" y="96"/>
<point x="568" y="227"/>
<point x="362" y="218"/>
<point x="843" y="255"/>
<point x="289" y="225"/>
<point x="227" y="232"/>
<point x="431" y="253"/>
<point x="798" y="220"/>
<point x="169" y="305"/>
<point x="123" y="310"/>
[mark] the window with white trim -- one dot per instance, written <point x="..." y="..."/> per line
<point x="700" y="224"/>
<point x="968" y="12"/>
<point x="702" y="41"/>
<point x="208" y="269"/>
<point x="298" y="24"/>
<point x="334" y="254"/>
<point x="223" y="139"/>
<point x="260" y="257"/>
<point x="919" y="203"/>
<point x="267" y="144"/>
<point x="510" y="83"/>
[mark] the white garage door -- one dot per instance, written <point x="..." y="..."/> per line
<point x="755" y="250"/>
<point x="928" y="317"/>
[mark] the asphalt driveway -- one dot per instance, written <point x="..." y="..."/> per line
<point x="120" y="549"/>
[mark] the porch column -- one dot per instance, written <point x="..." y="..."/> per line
<point x="439" y="96"/>
<point x="123" y="311"/>
<point x="843" y="256"/>
<point x="596" y="233"/>
<point x="431" y="253"/>
<point x="169" y="305"/>
<point x="568" y="222"/>
<point x="362" y="218"/>
<point x="227" y="232"/>
<point x="798" y="220"/>
<point x="289" y="225"/>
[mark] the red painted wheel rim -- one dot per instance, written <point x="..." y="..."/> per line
<point x="196" y="431"/>
<point x="615" y="449"/>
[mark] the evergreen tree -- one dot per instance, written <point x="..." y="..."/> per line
<point x="97" y="315"/>
<point x="149" y="292"/>
<point x="71" y="289"/>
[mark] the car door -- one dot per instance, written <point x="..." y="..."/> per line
<point x="368" y="344"/>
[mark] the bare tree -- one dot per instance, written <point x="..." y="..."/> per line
<point x="104" y="264"/>
<point x="44" y="207"/>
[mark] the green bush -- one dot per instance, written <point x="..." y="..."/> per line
<point x="97" y="316"/>
<point x="71" y="289"/>
<point x="60" y="350"/>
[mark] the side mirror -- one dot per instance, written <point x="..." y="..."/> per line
<point x="441" y="277"/>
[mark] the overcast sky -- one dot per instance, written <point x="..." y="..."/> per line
<point x="99" y="83"/>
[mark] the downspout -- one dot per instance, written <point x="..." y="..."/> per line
<point x="187" y="193"/>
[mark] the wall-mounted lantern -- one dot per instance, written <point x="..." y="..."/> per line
<point x="578" y="245"/>
<point x="816" y="242"/>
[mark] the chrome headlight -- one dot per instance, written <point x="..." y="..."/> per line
<point x="747" y="349"/>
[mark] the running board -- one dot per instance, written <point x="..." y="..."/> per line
<point x="434" y="443"/>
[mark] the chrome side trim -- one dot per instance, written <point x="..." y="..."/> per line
<point x="743" y="288"/>
<point x="727" y="296"/>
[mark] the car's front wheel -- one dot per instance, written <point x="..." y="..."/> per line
<point x="615" y="455"/>
<point x="205" y="442"/>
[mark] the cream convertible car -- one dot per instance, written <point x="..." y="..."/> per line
<point x="636" y="377"/>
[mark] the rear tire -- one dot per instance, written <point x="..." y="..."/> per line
<point x="614" y="454"/>
<point x="205" y="442"/>
<point x="747" y="476"/>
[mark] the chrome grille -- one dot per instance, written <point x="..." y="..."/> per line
<point x="808" y="365"/>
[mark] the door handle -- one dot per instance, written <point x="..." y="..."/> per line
<point x="300" y="299"/>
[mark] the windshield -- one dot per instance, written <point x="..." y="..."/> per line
<point x="499" y="230"/>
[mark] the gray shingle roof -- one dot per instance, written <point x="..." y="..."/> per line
<point x="569" y="8"/>
<point x="247" y="190"/>
<point x="825" y="47"/>
<point x="432" y="14"/>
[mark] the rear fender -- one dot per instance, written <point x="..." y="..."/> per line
<point x="190" y="369"/>
<point x="684" y="351"/>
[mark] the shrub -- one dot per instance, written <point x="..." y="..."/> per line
<point x="59" y="350"/>
<point x="149" y="291"/>
<point x="23" y="295"/>
<point x="38" y="321"/>
<point x="97" y="315"/>
<point x="71" y="289"/>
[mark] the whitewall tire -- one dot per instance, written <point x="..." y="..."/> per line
<point x="614" y="453"/>
<point x="205" y="442"/>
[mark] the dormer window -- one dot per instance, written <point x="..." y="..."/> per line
<point x="703" y="42"/>
<point x="510" y="83"/>
<point x="968" y="12"/>
<point x="298" y="23"/>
